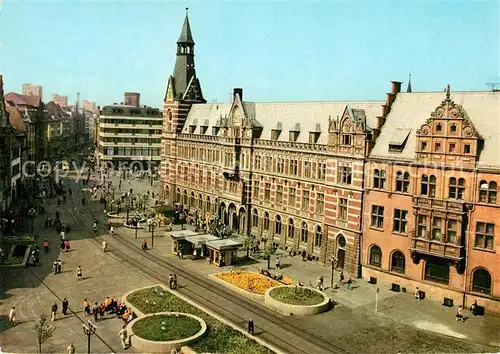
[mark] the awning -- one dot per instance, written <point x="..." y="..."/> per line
<point x="201" y="240"/>
<point x="224" y="244"/>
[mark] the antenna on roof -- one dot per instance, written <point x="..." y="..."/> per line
<point x="494" y="86"/>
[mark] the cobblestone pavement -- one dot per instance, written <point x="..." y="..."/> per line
<point x="400" y="324"/>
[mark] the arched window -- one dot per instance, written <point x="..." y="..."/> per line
<point x="291" y="228"/>
<point x="200" y="201"/>
<point x="266" y="221"/>
<point x="402" y="182"/>
<point x="167" y="193"/>
<point x="208" y="203"/>
<point x="375" y="256"/>
<point x="178" y="195"/>
<point x="318" y="237"/>
<point x="488" y="192"/>
<point x="428" y="186"/>
<point x="304" y="232"/>
<point x="277" y="225"/>
<point x="185" y="197"/>
<point x="481" y="281"/>
<point x="398" y="262"/>
<point x="255" y="218"/>
<point x="191" y="204"/>
<point x="379" y="179"/>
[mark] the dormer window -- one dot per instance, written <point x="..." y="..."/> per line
<point x="313" y="137"/>
<point x="192" y="128"/>
<point x="398" y="140"/>
<point x="203" y="130"/>
<point x="346" y="139"/>
<point x="215" y="130"/>
<point x="275" y="134"/>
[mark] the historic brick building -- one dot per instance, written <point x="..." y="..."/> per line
<point x="291" y="172"/>
<point x="431" y="206"/>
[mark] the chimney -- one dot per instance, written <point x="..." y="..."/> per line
<point x="390" y="99"/>
<point x="239" y="92"/>
<point x="396" y="87"/>
<point x="385" y="110"/>
<point x="380" y="121"/>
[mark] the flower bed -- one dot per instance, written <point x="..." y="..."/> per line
<point x="249" y="281"/>
<point x="297" y="296"/>
<point x="166" y="328"/>
<point x="219" y="337"/>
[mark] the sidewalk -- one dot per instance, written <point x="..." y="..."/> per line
<point x="400" y="308"/>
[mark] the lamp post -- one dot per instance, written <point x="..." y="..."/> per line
<point x="89" y="330"/>
<point x="153" y="224"/>
<point x="32" y="215"/>
<point x="333" y="267"/>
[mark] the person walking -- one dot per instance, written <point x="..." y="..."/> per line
<point x="12" y="315"/>
<point x="79" y="273"/>
<point x="123" y="336"/>
<point x="460" y="314"/>
<point x="250" y="326"/>
<point x="65" y="304"/>
<point x="71" y="347"/>
<point x="54" y="311"/>
<point x="111" y="230"/>
<point x="278" y="263"/>
<point x="170" y="281"/>
<point x="86" y="307"/>
<point x="104" y="246"/>
<point x="95" y="312"/>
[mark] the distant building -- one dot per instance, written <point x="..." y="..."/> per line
<point x="33" y="90"/>
<point x="132" y="99"/>
<point x="129" y="134"/>
<point x="89" y="106"/>
<point x="60" y="100"/>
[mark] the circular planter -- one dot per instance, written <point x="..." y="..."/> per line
<point x="290" y="309"/>
<point x="151" y="346"/>
<point x="132" y="227"/>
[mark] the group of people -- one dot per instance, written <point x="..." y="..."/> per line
<point x="57" y="266"/>
<point x="172" y="281"/>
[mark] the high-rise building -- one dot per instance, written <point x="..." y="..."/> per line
<point x="60" y="100"/>
<point x="33" y="90"/>
<point x="89" y="106"/>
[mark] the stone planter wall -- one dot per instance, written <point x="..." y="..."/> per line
<point x="288" y="310"/>
<point x="150" y="346"/>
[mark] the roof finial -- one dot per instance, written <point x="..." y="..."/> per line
<point x="187" y="9"/>
<point x="409" y="84"/>
<point x="448" y="92"/>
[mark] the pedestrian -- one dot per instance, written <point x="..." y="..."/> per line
<point x="341" y="277"/>
<point x="59" y="266"/>
<point x="86" y="307"/>
<point x="250" y="327"/>
<point x="123" y="336"/>
<point x="12" y="315"/>
<point x="55" y="266"/>
<point x="79" y="273"/>
<point x="319" y="282"/>
<point x="170" y="281"/>
<point x="278" y="263"/>
<point x="95" y="311"/>
<point x="473" y="308"/>
<point x="54" y="311"/>
<point x="65" y="304"/>
<point x="349" y="283"/>
<point x="104" y="246"/>
<point x="71" y="347"/>
<point x="46" y="245"/>
<point x="111" y="230"/>
<point x="417" y="294"/>
<point x="460" y="314"/>
<point x="175" y="281"/>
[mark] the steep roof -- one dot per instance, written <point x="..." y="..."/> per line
<point x="23" y="100"/>
<point x="16" y="120"/>
<point x="410" y="110"/>
<point x="289" y="115"/>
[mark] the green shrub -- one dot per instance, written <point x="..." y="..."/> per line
<point x="166" y="328"/>
<point x="297" y="296"/>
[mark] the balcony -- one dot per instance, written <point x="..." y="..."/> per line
<point x="424" y="202"/>
<point x="421" y="247"/>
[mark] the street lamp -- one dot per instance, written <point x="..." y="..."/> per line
<point x="89" y="331"/>
<point x="153" y="224"/>
<point x="32" y="215"/>
<point x="333" y="260"/>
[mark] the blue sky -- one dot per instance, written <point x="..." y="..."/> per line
<point x="279" y="51"/>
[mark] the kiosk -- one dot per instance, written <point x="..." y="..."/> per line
<point x="224" y="251"/>
<point x="199" y="243"/>
<point x="179" y="240"/>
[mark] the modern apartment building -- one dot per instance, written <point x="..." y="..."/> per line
<point x="129" y="134"/>
<point x="32" y="90"/>
<point x="60" y="100"/>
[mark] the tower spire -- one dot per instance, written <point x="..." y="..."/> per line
<point x="186" y="35"/>
<point x="408" y="89"/>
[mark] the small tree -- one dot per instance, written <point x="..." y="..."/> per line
<point x="44" y="331"/>
<point x="268" y="252"/>
<point x="247" y="243"/>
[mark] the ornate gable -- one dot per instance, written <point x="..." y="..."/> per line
<point x="170" y="93"/>
<point x="347" y="132"/>
<point x="448" y="135"/>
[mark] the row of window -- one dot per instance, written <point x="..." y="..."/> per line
<point x="434" y="228"/>
<point x="279" y="228"/>
<point x="436" y="270"/>
<point x="158" y="121"/>
<point x="139" y="151"/>
<point x="131" y="140"/>
<point x="456" y="187"/>
<point x="452" y="148"/>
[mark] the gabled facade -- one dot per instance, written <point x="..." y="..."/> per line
<point x="431" y="197"/>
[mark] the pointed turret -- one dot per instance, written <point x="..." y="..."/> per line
<point x="408" y="89"/>
<point x="184" y="84"/>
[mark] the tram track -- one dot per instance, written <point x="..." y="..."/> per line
<point x="208" y="291"/>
